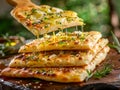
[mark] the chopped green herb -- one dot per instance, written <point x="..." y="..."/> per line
<point x="72" y="38"/>
<point x="82" y="37"/>
<point x="51" y="8"/>
<point x="62" y="42"/>
<point x="43" y="71"/>
<point x="58" y="22"/>
<point x="51" y="14"/>
<point x="33" y="10"/>
<point x="45" y="18"/>
<point x="46" y="26"/>
<point x="28" y="16"/>
<point x="25" y="13"/>
<point x="69" y="19"/>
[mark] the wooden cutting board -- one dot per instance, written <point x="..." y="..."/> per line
<point x="113" y="78"/>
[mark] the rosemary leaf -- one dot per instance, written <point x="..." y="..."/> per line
<point x="90" y="74"/>
<point x="116" y="43"/>
<point x="115" y="39"/>
<point x="114" y="46"/>
<point x="103" y="72"/>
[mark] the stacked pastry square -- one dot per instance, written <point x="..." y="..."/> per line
<point x="65" y="57"/>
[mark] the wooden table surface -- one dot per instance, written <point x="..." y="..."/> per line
<point x="113" y="78"/>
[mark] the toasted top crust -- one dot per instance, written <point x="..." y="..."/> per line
<point x="63" y="41"/>
<point x="43" y="19"/>
<point x="58" y="58"/>
<point x="65" y="75"/>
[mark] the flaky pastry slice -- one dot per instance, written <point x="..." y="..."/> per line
<point x="58" y="58"/>
<point x="63" y="41"/>
<point x="65" y="75"/>
<point x="43" y="19"/>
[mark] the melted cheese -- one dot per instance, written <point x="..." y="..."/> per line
<point x="63" y="41"/>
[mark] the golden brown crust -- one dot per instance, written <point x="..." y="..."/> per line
<point x="63" y="41"/>
<point x="65" y="75"/>
<point x="58" y="58"/>
<point x="43" y="19"/>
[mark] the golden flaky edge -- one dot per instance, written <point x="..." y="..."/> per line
<point x="50" y="25"/>
<point x="58" y="58"/>
<point x="61" y="41"/>
<point x="65" y="75"/>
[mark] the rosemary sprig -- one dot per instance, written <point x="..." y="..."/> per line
<point x="103" y="72"/>
<point x="90" y="74"/>
<point x="116" y="43"/>
<point x="99" y="73"/>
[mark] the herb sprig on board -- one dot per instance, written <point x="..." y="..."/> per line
<point x="116" y="43"/>
<point x="100" y="73"/>
<point x="103" y="72"/>
<point x="90" y="74"/>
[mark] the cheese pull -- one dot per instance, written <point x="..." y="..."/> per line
<point x="43" y="19"/>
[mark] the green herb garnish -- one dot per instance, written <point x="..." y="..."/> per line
<point x="31" y="13"/>
<point x="72" y="38"/>
<point x="33" y="10"/>
<point x="99" y="73"/>
<point x="90" y="74"/>
<point x="62" y="42"/>
<point x="46" y="26"/>
<point x="116" y="43"/>
<point x="45" y="18"/>
<point x="28" y="16"/>
<point x="82" y="37"/>
<point x="103" y="72"/>
<point x="58" y="22"/>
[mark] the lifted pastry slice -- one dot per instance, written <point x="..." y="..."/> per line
<point x="65" y="75"/>
<point x="43" y="19"/>
<point x="58" y="58"/>
<point x="63" y="41"/>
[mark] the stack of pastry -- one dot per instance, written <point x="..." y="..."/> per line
<point x="65" y="57"/>
<point x="61" y="57"/>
